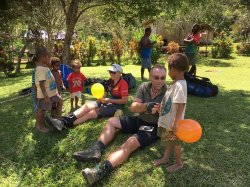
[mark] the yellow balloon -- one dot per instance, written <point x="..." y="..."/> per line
<point x="97" y="90"/>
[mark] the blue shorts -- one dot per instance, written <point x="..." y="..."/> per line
<point x="146" y="63"/>
<point x="145" y="133"/>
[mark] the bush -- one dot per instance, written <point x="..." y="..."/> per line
<point x="222" y="47"/>
<point x="156" y="50"/>
<point x="173" y="47"/>
<point x="7" y="67"/>
<point x="243" y="49"/>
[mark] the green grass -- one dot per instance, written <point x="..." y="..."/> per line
<point x="220" y="158"/>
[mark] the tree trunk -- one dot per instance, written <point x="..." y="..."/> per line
<point x="67" y="41"/>
<point x="20" y="58"/>
<point x="71" y="19"/>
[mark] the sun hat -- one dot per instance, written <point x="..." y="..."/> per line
<point x="115" y="68"/>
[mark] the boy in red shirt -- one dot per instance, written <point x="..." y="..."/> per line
<point x="76" y="81"/>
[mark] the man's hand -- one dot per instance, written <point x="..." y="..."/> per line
<point x="150" y="106"/>
<point x="156" y="108"/>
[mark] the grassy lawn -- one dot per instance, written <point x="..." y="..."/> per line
<point x="220" y="158"/>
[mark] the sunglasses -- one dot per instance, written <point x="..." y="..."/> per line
<point x="112" y="72"/>
<point x="157" y="78"/>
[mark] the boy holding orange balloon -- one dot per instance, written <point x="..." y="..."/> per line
<point x="172" y="110"/>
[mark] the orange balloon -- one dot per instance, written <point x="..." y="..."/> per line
<point x="188" y="130"/>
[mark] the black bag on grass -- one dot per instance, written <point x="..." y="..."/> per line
<point x="25" y="91"/>
<point x="200" y="86"/>
<point x="130" y="79"/>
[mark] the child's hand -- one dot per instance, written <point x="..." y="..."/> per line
<point x="47" y="100"/>
<point x="174" y="127"/>
<point x="104" y="100"/>
<point x="156" y="108"/>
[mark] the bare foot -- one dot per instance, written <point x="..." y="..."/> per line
<point x="42" y="129"/>
<point x="174" y="167"/>
<point x="160" y="161"/>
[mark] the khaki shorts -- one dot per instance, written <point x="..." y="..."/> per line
<point x="76" y="94"/>
<point x="42" y="105"/>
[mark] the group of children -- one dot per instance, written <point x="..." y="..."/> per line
<point x="47" y="86"/>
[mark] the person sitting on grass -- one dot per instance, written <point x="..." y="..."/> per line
<point x="104" y="107"/>
<point x="143" y="127"/>
<point x="47" y="93"/>
<point x="76" y="82"/>
<point x="172" y="110"/>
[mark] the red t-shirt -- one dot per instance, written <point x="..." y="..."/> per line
<point x="76" y="81"/>
<point x="197" y="38"/>
<point x="120" y="90"/>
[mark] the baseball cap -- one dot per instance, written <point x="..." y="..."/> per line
<point x="115" y="68"/>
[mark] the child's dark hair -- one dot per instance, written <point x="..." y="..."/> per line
<point x="34" y="59"/>
<point x="178" y="61"/>
<point x="41" y="51"/>
<point x="148" y="29"/>
<point x="54" y="60"/>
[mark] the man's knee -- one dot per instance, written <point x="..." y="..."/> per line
<point x="114" y="122"/>
<point x="92" y="114"/>
<point x="131" y="145"/>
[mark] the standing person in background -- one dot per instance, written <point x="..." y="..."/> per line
<point x="145" y="47"/>
<point x="192" y="41"/>
<point x="76" y="81"/>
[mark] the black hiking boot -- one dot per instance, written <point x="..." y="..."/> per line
<point x="93" y="153"/>
<point x="56" y="123"/>
<point x="93" y="175"/>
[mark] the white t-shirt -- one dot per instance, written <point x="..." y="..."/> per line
<point x="176" y="93"/>
<point x="44" y="74"/>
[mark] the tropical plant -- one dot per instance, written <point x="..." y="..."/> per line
<point x="156" y="50"/>
<point x="243" y="49"/>
<point x="173" y="47"/>
<point x="222" y="46"/>
<point x="103" y="52"/>
<point x="118" y="47"/>
<point x="91" y="41"/>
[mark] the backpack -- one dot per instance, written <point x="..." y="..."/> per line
<point x="130" y="79"/>
<point x="200" y="86"/>
<point x="25" y="91"/>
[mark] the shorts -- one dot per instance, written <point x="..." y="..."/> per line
<point x="76" y="94"/>
<point x="132" y="125"/>
<point x="191" y="58"/>
<point x="105" y="110"/>
<point x="167" y="136"/>
<point x="47" y="107"/>
<point x="146" y="63"/>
